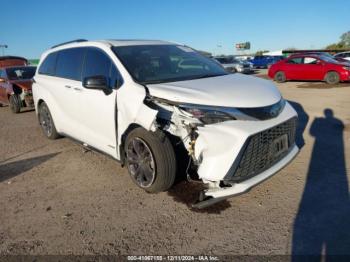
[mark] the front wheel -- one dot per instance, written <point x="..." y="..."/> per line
<point x="46" y="122"/>
<point x="15" y="103"/>
<point x="150" y="160"/>
<point x="332" y="78"/>
<point x="280" y="77"/>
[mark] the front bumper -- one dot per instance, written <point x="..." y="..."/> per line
<point x="237" y="153"/>
<point x="219" y="145"/>
<point x="215" y="195"/>
<point x="243" y="69"/>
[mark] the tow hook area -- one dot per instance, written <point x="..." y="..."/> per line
<point x="206" y="201"/>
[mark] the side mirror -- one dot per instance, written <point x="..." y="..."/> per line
<point x="97" y="83"/>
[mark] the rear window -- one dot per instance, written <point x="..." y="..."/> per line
<point x="47" y="67"/>
<point x="20" y="73"/>
<point x="69" y="63"/>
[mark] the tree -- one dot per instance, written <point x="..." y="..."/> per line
<point x="342" y="44"/>
<point x="345" y="39"/>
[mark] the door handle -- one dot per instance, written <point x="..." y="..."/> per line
<point x="67" y="86"/>
<point x="77" y="89"/>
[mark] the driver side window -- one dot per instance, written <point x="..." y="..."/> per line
<point x="97" y="63"/>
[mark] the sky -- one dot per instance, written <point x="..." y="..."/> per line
<point x="31" y="27"/>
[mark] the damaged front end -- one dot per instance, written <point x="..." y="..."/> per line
<point x="230" y="149"/>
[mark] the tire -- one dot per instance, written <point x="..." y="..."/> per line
<point x="150" y="160"/>
<point x="46" y="122"/>
<point x="332" y="78"/>
<point x="15" y="103"/>
<point x="280" y="77"/>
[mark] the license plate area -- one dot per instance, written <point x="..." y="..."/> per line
<point x="279" y="146"/>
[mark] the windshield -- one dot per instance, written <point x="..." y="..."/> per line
<point x="166" y="63"/>
<point x="20" y="73"/>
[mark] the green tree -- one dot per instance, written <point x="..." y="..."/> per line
<point x="342" y="44"/>
<point x="345" y="39"/>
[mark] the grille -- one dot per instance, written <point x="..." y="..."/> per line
<point x="257" y="157"/>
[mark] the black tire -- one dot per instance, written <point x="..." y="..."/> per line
<point x="280" y="77"/>
<point x="332" y="78"/>
<point x="15" y="103"/>
<point x="46" y="122"/>
<point x="152" y="166"/>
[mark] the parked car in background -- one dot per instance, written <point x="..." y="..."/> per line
<point x="234" y="65"/>
<point x="16" y="87"/>
<point x="338" y="58"/>
<point x="263" y="61"/>
<point x="6" y="61"/>
<point x="140" y="101"/>
<point x="310" y="67"/>
<point x="343" y="55"/>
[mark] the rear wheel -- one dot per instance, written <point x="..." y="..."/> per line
<point x="46" y="122"/>
<point x="332" y="78"/>
<point x="15" y="103"/>
<point x="150" y="160"/>
<point x="280" y="77"/>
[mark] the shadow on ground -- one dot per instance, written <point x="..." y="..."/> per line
<point x="321" y="85"/>
<point x="322" y="226"/>
<point x="12" y="169"/>
<point x="303" y="119"/>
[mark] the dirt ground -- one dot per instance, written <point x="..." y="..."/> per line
<point x="57" y="199"/>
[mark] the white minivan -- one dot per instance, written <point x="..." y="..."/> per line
<point x="152" y="104"/>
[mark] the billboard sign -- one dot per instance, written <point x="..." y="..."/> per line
<point x="243" y="46"/>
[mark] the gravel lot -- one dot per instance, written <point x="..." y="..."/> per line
<point x="57" y="199"/>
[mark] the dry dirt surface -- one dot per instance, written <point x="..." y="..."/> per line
<point x="57" y="199"/>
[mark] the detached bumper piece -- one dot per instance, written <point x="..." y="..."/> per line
<point x="256" y="162"/>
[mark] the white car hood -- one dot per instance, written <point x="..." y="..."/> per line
<point x="232" y="90"/>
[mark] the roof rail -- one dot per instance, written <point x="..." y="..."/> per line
<point x="73" y="41"/>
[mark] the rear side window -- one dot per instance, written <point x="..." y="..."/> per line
<point x="69" y="63"/>
<point x="47" y="67"/>
<point x="97" y="63"/>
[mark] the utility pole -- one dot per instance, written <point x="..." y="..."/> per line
<point x="3" y="48"/>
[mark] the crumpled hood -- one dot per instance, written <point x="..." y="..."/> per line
<point x="24" y="84"/>
<point x="233" y="90"/>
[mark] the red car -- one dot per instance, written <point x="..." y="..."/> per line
<point x="6" y="61"/>
<point x="16" y="87"/>
<point x="310" y="67"/>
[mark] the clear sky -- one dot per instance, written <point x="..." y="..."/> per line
<point x="30" y="27"/>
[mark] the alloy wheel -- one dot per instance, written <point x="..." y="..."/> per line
<point x="140" y="162"/>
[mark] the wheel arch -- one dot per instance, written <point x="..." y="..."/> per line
<point x="127" y="131"/>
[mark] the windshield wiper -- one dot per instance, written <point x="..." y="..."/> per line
<point x="209" y="75"/>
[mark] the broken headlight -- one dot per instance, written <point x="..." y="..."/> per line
<point x="206" y="114"/>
